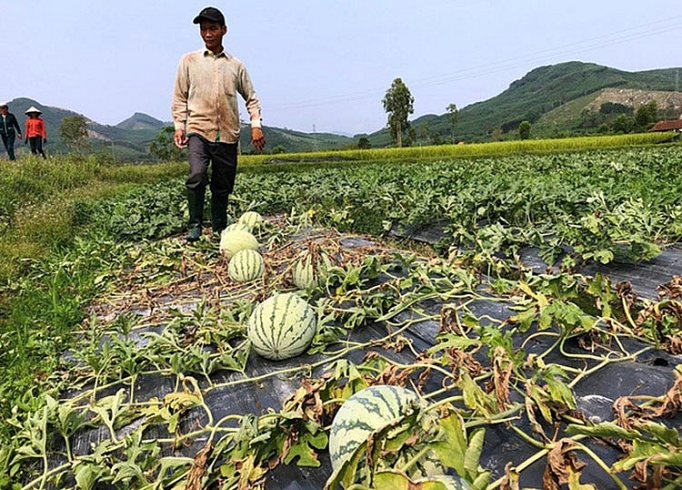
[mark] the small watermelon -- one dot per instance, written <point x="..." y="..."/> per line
<point x="233" y="241"/>
<point x="303" y="273"/>
<point x="365" y="412"/>
<point x="251" y="219"/>
<point x="282" y="326"/>
<point x="246" y="265"/>
<point x="308" y="269"/>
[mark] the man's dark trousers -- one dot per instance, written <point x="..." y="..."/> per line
<point x="222" y="157"/>
<point x="8" y="141"/>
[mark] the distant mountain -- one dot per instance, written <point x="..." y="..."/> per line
<point x="123" y="144"/>
<point x="142" y="121"/>
<point x="297" y="141"/>
<point x="554" y="98"/>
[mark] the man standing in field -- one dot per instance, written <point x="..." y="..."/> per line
<point x="9" y="128"/>
<point x="206" y="118"/>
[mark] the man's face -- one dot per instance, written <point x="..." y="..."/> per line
<point x="212" y="33"/>
<point x="3" y="110"/>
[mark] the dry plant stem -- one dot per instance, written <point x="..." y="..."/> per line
<point x="499" y="418"/>
<point x="212" y="430"/>
<point x="415" y="459"/>
<point x="540" y="334"/>
<point x="601" y="463"/>
<point x="417" y="366"/>
<point x="606" y="361"/>
<point x="545" y="448"/>
<point x="92" y="392"/>
<point x="405" y="306"/>
<point x="626" y="309"/>
<point x="45" y="476"/>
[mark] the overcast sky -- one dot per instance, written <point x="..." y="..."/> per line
<point x="320" y="65"/>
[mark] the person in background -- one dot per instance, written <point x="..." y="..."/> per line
<point x="206" y="119"/>
<point x="35" y="131"/>
<point x="9" y="128"/>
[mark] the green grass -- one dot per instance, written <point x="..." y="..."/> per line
<point x="474" y="150"/>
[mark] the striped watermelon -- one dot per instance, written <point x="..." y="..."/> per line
<point x="233" y="241"/>
<point x="308" y="269"/>
<point x="303" y="273"/>
<point x="282" y="326"/>
<point x="367" y="411"/>
<point x="237" y="226"/>
<point x="251" y="219"/>
<point x="246" y="265"/>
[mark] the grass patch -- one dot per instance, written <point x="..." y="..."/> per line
<point x="501" y="148"/>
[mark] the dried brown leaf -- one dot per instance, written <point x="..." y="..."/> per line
<point x="198" y="470"/>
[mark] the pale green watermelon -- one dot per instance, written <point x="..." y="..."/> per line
<point x="246" y="265"/>
<point x="233" y="241"/>
<point x="282" y="326"/>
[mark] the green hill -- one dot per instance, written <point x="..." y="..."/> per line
<point x="129" y="140"/>
<point x="565" y="90"/>
<point x="141" y="121"/>
<point x="126" y="141"/>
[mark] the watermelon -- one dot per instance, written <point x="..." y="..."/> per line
<point x="282" y="326"/>
<point x="367" y="411"/>
<point x="251" y="219"/>
<point x="237" y="226"/>
<point x="245" y="266"/>
<point x="303" y="273"/>
<point x="308" y="269"/>
<point x="450" y="482"/>
<point x="233" y="241"/>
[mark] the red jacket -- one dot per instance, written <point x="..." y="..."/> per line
<point x="35" y="127"/>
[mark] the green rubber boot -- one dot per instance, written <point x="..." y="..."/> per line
<point x="195" y="201"/>
<point x="218" y="214"/>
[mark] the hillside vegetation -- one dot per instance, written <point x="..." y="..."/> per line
<point x="564" y="89"/>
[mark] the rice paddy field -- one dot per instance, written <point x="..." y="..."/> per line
<point x="498" y="283"/>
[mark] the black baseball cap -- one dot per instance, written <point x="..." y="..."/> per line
<point x="210" y="14"/>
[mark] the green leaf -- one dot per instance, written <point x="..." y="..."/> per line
<point x="472" y="454"/>
<point x="604" y="429"/>
<point x="87" y="475"/>
<point x="452" y="450"/>
<point x="304" y="451"/>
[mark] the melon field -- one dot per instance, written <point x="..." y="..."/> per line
<point x="488" y="320"/>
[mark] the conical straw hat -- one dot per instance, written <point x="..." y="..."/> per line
<point x="33" y="109"/>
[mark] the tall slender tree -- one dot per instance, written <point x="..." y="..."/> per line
<point x="163" y="147"/>
<point x="398" y="104"/>
<point x="73" y="131"/>
<point x="453" y="117"/>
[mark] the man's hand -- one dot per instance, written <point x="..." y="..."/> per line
<point x="257" y="138"/>
<point x="180" y="138"/>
